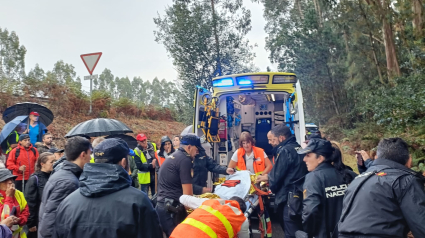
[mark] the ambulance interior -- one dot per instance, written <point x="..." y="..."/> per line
<point x="255" y="111"/>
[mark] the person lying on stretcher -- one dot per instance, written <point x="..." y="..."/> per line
<point x="213" y="218"/>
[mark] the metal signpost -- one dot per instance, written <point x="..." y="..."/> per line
<point x="90" y="61"/>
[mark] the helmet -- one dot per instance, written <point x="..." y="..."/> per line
<point x="165" y="139"/>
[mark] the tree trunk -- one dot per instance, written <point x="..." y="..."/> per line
<point x="390" y="52"/>
<point x="298" y="6"/>
<point x="417" y="18"/>
<point x="217" y="44"/>
<point x="375" y="58"/>
<point x="333" y="94"/>
<point x="318" y="11"/>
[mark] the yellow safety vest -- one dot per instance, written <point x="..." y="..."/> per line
<point x="18" y="233"/>
<point x="92" y="159"/>
<point x="144" y="177"/>
<point x="8" y="144"/>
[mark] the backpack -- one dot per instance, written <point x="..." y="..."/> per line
<point x="18" y="152"/>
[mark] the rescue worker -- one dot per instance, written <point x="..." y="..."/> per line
<point x="34" y="189"/>
<point x="201" y="165"/>
<point x="12" y="139"/>
<point x="11" y="198"/>
<point x="324" y="187"/>
<point x="165" y="150"/>
<point x="106" y="205"/>
<point x="94" y="144"/>
<point x="146" y="151"/>
<point x="249" y="157"/>
<point x="22" y="160"/>
<point x="286" y="175"/>
<point x="388" y="200"/>
<point x="213" y="218"/>
<point x="174" y="180"/>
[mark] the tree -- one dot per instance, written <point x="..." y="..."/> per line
<point x="12" y="56"/>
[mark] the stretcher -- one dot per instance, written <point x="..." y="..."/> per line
<point x="252" y="195"/>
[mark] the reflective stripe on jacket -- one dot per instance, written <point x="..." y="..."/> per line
<point x="211" y="219"/>
<point x="259" y="160"/>
<point x="144" y="176"/>
<point x="18" y="233"/>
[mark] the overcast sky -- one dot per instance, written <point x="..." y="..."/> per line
<point x="121" y="30"/>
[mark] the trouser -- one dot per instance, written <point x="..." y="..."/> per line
<point x="145" y="187"/>
<point x="288" y="225"/>
<point x="32" y="234"/>
<point x="18" y="184"/>
<point x="165" y="219"/>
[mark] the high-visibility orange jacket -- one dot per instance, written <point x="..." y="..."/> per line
<point x="259" y="160"/>
<point x="211" y="219"/>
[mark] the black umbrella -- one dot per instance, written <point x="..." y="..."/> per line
<point x="99" y="127"/>
<point x="131" y="141"/>
<point x="25" y="108"/>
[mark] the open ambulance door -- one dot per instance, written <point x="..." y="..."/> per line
<point x="299" y="128"/>
<point x="205" y="122"/>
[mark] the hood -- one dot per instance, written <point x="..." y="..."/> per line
<point x="73" y="168"/>
<point x="100" y="179"/>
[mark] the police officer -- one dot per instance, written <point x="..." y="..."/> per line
<point x="324" y="187"/>
<point x="286" y="175"/>
<point x="388" y="199"/>
<point x="175" y="179"/>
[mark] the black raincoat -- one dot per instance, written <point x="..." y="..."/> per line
<point x="33" y="193"/>
<point x="201" y="166"/>
<point x="106" y="205"/>
<point x="390" y="203"/>
<point x="58" y="187"/>
<point x="288" y="168"/>
<point x="324" y="190"/>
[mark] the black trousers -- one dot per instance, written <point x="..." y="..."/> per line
<point x="288" y="225"/>
<point x="165" y="219"/>
<point x="18" y="184"/>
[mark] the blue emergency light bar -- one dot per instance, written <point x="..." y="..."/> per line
<point x="244" y="82"/>
<point x="223" y="82"/>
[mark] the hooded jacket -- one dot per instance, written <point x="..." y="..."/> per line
<point x="324" y="190"/>
<point x="58" y="187"/>
<point x="201" y="166"/>
<point x="106" y="205"/>
<point x="26" y="157"/>
<point x="288" y="168"/>
<point x="389" y="203"/>
<point x="33" y="192"/>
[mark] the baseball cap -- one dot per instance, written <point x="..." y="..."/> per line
<point x="35" y="114"/>
<point x="192" y="139"/>
<point x="141" y="137"/>
<point x="318" y="146"/>
<point x="23" y="137"/>
<point x="5" y="174"/>
<point x="112" y="150"/>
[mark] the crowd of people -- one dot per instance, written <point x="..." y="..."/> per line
<point x="99" y="187"/>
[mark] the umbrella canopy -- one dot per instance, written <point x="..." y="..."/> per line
<point x="131" y="141"/>
<point x="25" y="108"/>
<point x="187" y="130"/>
<point x="99" y="127"/>
<point x="10" y="126"/>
